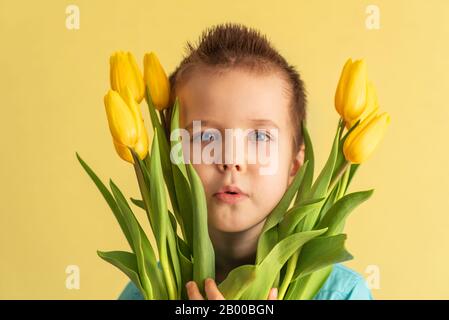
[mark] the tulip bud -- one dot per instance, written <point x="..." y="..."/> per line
<point x="124" y="72"/>
<point x="361" y="142"/>
<point x="126" y="124"/>
<point x="350" y="96"/>
<point x="122" y="123"/>
<point x="156" y="81"/>
<point x="371" y="105"/>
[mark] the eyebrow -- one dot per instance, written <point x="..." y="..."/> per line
<point x="211" y="123"/>
<point x="264" y="122"/>
<point x="203" y="123"/>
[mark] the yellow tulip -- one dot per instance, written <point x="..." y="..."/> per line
<point x="126" y="124"/>
<point x="371" y="105"/>
<point x="350" y="96"/>
<point x="362" y="141"/>
<point x="156" y="80"/>
<point x="124" y="72"/>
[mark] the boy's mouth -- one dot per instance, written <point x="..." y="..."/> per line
<point x="230" y="194"/>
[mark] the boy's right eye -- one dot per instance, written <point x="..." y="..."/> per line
<point x="206" y="136"/>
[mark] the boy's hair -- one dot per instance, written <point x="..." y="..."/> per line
<point x="229" y="45"/>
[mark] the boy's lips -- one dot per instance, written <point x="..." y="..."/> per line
<point x="230" y="194"/>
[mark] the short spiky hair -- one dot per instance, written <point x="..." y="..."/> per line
<point x="232" y="45"/>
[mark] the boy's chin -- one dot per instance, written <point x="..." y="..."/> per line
<point x="234" y="227"/>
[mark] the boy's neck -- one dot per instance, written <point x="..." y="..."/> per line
<point x="233" y="249"/>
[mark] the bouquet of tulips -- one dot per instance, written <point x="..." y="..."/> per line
<point x="302" y="237"/>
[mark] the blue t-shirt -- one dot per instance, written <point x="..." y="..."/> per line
<point x="342" y="284"/>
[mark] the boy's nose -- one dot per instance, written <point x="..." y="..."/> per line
<point x="226" y="166"/>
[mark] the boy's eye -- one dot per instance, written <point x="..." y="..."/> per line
<point x="259" y="135"/>
<point x="206" y="136"/>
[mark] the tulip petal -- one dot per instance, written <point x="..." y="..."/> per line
<point x="363" y="144"/>
<point x="123" y="151"/>
<point x="339" y="94"/>
<point x="120" y="118"/>
<point x="355" y="91"/>
<point x="125" y="72"/>
<point x="156" y="80"/>
<point x="142" y="145"/>
<point x="135" y="110"/>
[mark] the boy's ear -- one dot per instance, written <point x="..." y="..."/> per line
<point x="297" y="163"/>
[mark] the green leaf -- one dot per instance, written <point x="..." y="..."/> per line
<point x="109" y="199"/>
<point x="136" y="236"/>
<point x="173" y="222"/>
<point x="203" y="251"/>
<point x="268" y="239"/>
<point x="307" y="287"/>
<point x="237" y="281"/>
<point x="330" y="200"/>
<point x="269" y="268"/>
<point x="340" y="156"/>
<point x="321" y="252"/>
<point x="127" y="263"/>
<point x="155" y="273"/>
<point x="186" y="270"/>
<point x="181" y="182"/>
<point x="310" y="159"/>
<point x="336" y="216"/>
<point x="352" y="170"/>
<point x="315" y="264"/>
<point x="164" y="153"/>
<point x="138" y="203"/>
<point x="159" y="211"/>
<point x="321" y="185"/>
<point x="296" y="214"/>
<point x="174" y="258"/>
<point x="160" y="222"/>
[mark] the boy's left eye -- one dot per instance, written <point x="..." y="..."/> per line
<point x="259" y="135"/>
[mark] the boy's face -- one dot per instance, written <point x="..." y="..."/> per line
<point x="234" y="100"/>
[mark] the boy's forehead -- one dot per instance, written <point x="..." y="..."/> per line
<point x="235" y="95"/>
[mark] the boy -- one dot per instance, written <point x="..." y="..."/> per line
<point x="235" y="79"/>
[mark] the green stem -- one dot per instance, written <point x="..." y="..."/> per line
<point x="165" y="265"/>
<point x="291" y="266"/>
<point x="342" y="127"/>
<point x="168" y="274"/>
<point x="337" y="177"/>
<point x="143" y="190"/>
<point x="343" y="184"/>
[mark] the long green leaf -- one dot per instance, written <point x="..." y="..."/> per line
<point x="309" y="158"/>
<point x="181" y="182"/>
<point x="352" y="171"/>
<point x="307" y="287"/>
<point x="160" y="221"/>
<point x="109" y="199"/>
<point x="137" y="238"/>
<point x="237" y="281"/>
<point x="340" y="156"/>
<point x="164" y="152"/>
<point x="155" y="273"/>
<point x="288" y="225"/>
<point x="203" y="251"/>
<point x="268" y="238"/>
<point x="336" y="216"/>
<point x="330" y="200"/>
<point x="321" y="185"/>
<point x="321" y="252"/>
<point x="269" y="268"/>
<point x="315" y="265"/>
<point x="127" y="263"/>
<point x="138" y="203"/>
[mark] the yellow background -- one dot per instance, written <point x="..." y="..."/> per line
<point x="52" y="82"/>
